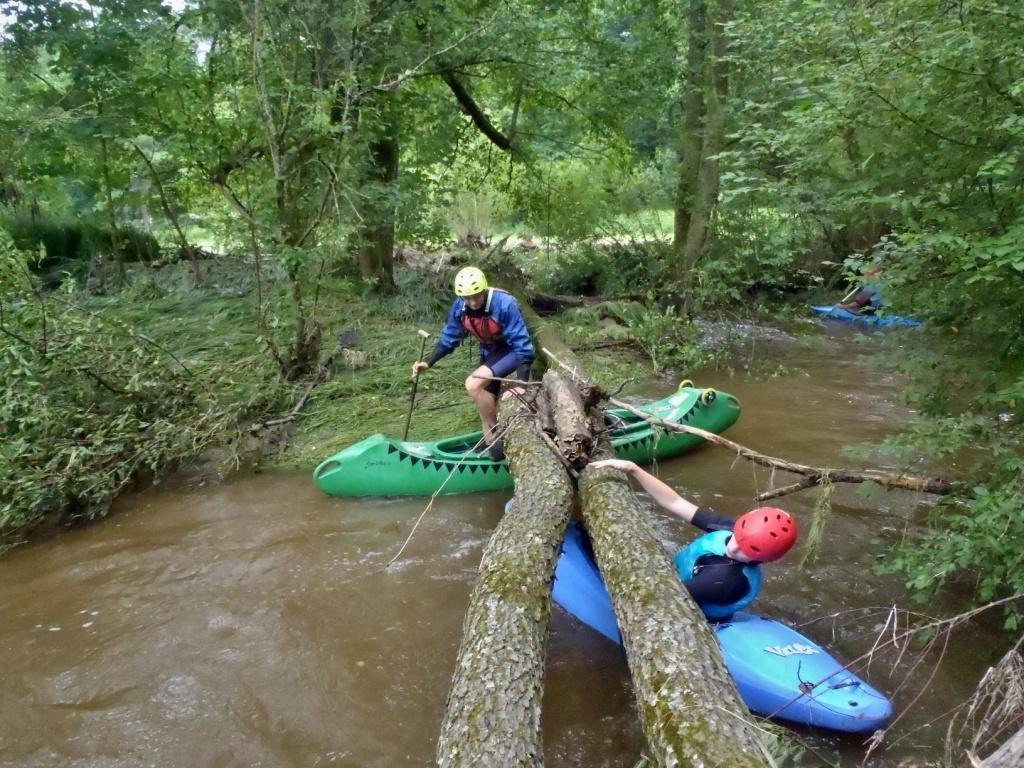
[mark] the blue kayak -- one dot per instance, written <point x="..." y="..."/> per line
<point x="778" y="672"/>
<point x="835" y="312"/>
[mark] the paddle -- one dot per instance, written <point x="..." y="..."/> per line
<point x="415" y="382"/>
<point x="850" y="295"/>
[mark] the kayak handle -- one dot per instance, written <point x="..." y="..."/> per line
<point x="328" y="466"/>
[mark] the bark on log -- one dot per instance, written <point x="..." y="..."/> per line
<point x="1010" y="755"/>
<point x="574" y="434"/>
<point x="493" y="713"/>
<point x="690" y="710"/>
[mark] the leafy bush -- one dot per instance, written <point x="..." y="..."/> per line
<point x="756" y="250"/>
<point x="603" y="269"/>
<point x="571" y="270"/>
<point x="632" y="267"/>
<point x="88" y="403"/>
<point x="669" y="340"/>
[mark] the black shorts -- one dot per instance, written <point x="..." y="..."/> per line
<point x="502" y="362"/>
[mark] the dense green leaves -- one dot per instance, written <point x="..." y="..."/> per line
<point x="88" y="402"/>
<point x="896" y="128"/>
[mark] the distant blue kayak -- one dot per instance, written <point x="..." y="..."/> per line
<point x="778" y="672"/>
<point x="835" y="312"/>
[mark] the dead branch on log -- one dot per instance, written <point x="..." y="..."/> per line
<point x="573" y="430"/>
<point x="813" y="476"/>
<point x="558" y="454"/>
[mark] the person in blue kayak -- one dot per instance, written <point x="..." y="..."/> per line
<point x="493" y="317"/>
<point x="721" y="569"/>
<point x="868" y="298"/>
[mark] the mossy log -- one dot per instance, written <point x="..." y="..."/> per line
<point x="493" y="713"/>
<point x="690" y="710"/>
<point x="689" y="706"/>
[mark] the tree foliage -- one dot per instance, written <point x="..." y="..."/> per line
<point x="89" y="403"/>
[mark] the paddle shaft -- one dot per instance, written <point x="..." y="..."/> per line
<point x="415" y="382"/>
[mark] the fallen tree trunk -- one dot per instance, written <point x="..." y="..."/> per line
<point x="691" y="712"/>
<point x="493" y="713"/>
<point x="574" y="434"/>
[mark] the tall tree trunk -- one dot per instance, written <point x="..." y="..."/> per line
<point x="493" y="713"/>
<point x="693" y="121"/>
<point x="705" y="198"/>
<point x="704" y="104"/>
<point x="377" y="232"/>
<point x="115" y="235"/>
<point x="185" y="248"/>
<point x="689" y="707"/>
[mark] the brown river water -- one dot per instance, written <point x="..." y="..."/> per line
<point x="252" y="623"/>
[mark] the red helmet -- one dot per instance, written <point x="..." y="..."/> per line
<point x="765" y="534"/>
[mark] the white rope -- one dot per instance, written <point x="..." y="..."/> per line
<point x="434" y="496"/>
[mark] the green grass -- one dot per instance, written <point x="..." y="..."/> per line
<point x="213" y="327"/>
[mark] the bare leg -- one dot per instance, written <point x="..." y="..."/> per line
<point x="486" y="403"/>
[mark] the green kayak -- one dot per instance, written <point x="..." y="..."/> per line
<point x="382" y="466"/>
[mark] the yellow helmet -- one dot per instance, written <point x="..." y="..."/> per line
<point x="470" y="281"/>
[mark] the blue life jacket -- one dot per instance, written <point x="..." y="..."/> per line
<point x="714" y="544"/>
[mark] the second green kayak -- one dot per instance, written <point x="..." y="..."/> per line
<point x="382" y="466"/>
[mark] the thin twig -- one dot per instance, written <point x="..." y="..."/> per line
<point x="558" y="454"/>
<point x="898" y="638"/>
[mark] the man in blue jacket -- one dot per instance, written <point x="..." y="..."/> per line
<point x="494" y="318"/>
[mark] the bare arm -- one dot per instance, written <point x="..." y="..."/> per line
<point x="665" y="497"/>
